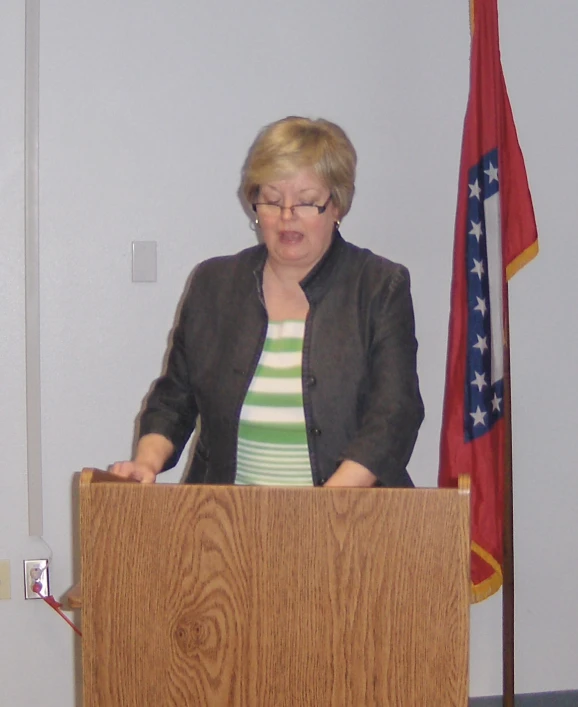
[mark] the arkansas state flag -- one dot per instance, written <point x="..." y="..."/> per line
<point x="495" y="236"/>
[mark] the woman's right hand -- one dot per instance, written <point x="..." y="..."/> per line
<point x="135" y="471"/>
<point x="152" y="452"/>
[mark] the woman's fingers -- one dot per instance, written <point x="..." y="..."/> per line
<point x="137" y="471"/>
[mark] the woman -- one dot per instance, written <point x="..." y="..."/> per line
<point x="298" y="354"/>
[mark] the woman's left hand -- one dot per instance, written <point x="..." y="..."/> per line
<point x="350" y="474"/>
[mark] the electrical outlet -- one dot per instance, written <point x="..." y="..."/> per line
<point x="5" y="579"/>
<point x="36" y="584"/>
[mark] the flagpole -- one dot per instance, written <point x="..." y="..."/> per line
<point x="508" y="603"/>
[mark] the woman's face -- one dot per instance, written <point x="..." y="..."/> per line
<point x="296" y="239"/>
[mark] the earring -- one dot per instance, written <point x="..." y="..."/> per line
<point x="256" y="222"/>
<point x="337" y="223"/>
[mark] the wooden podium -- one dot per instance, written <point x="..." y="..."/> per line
<point x="273" y="597"/>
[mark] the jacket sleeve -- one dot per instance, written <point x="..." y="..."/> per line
<point x="392" y="409"/>
<point x="171" y="409"/>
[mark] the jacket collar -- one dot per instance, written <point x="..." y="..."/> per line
<point x="316" y="282"/>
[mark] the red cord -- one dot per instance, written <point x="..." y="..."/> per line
<point x="51" y="601"/>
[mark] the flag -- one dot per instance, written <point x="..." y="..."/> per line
<point x="495" y="235"/>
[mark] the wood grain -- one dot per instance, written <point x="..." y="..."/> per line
<point x="250" y="597"/>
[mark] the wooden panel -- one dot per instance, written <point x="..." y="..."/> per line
<point x="250" y="597"/>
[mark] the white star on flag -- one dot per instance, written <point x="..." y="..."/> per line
<point x="478" y="416"/>
<point x="482" y="344"/>
<point x="480" y="381"/>
<point x="481" y="306"/>
<point x="476" y="230"/>
<point x="496" y="403"/>
<point x="478" y="268"/>
<point x="475" y="189"/>
<point x="492" y="173"/>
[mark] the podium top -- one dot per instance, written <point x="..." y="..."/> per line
<point x="98" y="476"/>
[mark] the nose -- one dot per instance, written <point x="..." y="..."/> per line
<point x="287" y="213"/>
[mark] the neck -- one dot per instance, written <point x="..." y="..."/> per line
<point x="287" y="276"/>
<point x="284" y="298"/>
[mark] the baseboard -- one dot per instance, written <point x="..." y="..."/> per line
<point x="567" y="698"/>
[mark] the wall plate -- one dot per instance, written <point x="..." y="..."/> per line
<point x="5" y="579"/>
<point x="36" y="572"/>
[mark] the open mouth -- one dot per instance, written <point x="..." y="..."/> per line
<point x="290" y="237"/>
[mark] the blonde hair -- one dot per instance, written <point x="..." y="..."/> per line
<point x="293" y="143"/>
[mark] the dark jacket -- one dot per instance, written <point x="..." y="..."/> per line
<point x="360" y="385"/>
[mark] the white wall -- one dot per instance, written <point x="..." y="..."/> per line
<point x="146" y="113"/>
<point x="541" y="56"/>
<point x="36" y="655"/>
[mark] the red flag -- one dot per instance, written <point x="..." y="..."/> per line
<point x="495" y="236"/>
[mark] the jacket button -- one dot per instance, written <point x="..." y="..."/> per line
<point x="321" y="482"/>
<point x="315" y="431"/>
<point x="311" y="381"/>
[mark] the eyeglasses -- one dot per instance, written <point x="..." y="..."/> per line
<point x="267" y="210"/>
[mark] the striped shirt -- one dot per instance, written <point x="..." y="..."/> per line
<point x="272" y="447"/>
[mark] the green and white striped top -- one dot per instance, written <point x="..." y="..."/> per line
<point x="272" y="448"/>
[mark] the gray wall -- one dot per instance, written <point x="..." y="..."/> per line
<point x="146" y="112"/>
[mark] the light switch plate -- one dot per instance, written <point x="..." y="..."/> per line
<point x="144" y="261"/>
